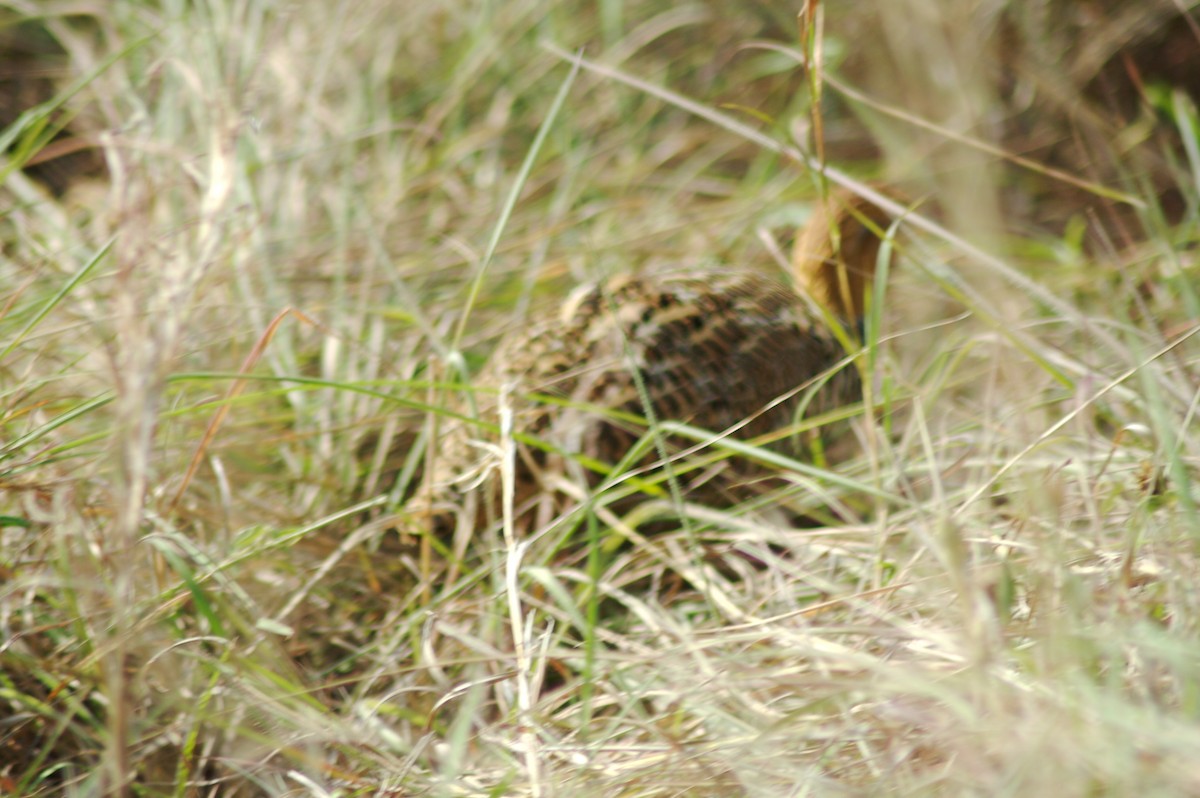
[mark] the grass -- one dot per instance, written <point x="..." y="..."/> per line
<point x="316" y="221"/>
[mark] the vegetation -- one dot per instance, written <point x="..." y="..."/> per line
<point x="221" y="360"/>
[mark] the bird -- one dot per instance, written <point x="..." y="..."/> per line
<point x="730" y="350"/>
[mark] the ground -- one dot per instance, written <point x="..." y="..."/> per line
<point x="229" y="335"/>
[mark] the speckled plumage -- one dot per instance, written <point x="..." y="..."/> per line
<point x="711" y="349"/>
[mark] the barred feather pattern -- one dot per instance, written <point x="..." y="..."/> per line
<point x="716" y="350"/>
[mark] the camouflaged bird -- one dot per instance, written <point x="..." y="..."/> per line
<point x="723" y="351"/>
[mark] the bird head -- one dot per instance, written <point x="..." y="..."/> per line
<point x="836" y="253"/>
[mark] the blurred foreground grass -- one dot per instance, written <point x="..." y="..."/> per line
<point x="999" y="594"/>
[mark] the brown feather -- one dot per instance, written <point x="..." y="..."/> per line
<point x="713" y="350"/>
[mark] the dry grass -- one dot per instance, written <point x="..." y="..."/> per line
<point x="999" y="592"/>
